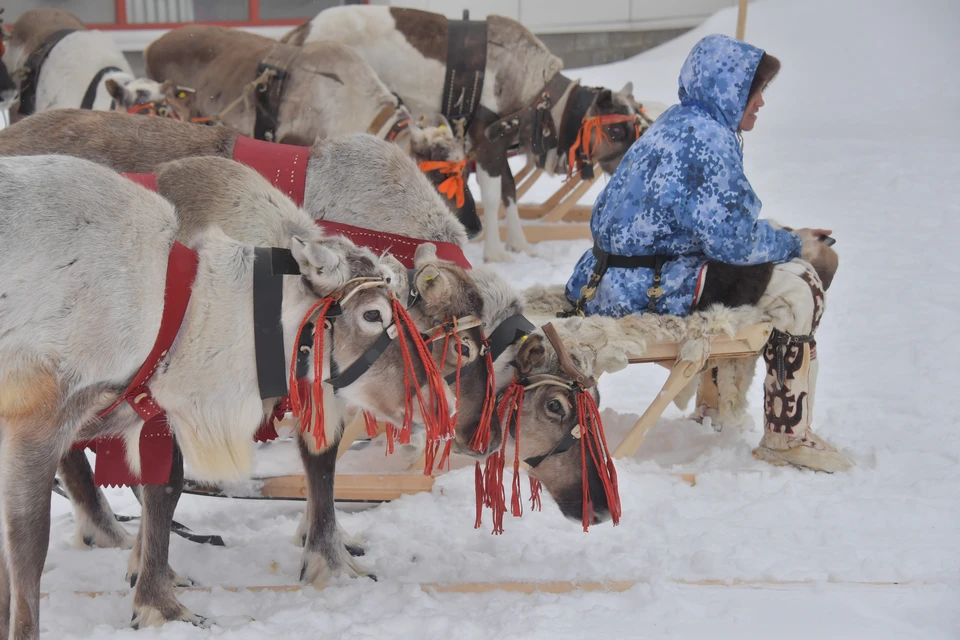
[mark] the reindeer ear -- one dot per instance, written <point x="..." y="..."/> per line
<point x="627" y="89"/>
<point x="530" y="355"/>
<point x="426" y="252"/>
<point x="441" y="122"/>
<point x="604" y="100"/>
<point x="298" y="247"/>
<point x="116" y="91"/>
<point x="434" y="285"/>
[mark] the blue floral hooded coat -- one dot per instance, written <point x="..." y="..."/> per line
<point x="680" y="190"/>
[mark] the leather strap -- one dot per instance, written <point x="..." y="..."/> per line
<point x="269" y="94"/>
<point x="269" y="267"/>
<point x="401" y="247"/>
<point x="91" y="94"/>
<point x="31" y="78"/>
<point x="466" y="64"/>
<point x="507" y="333"/>
<point x="385" y="114"/>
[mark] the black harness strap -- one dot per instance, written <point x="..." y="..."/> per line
<point x="269" y="267"/>
<point x="466" y="63"/>
<point x="31" y="78"/>
<point x="507" y="333"/>
<point x="91" y="93"/>
<point x="270" y="93"/>
<point x="362" y="364"/>
<point x="605" y="261"/>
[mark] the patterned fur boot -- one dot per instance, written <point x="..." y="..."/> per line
<point x="789" y="388"/>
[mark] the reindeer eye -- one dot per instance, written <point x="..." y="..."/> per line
<point x="618" y="133"/>
<point x="371" y="316"/>
<point x="555" y="406"/>
<point x="465" y="350"/>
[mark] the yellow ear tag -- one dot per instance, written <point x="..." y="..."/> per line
<point x="442" y="127"/>
<point x="523" y="339"/>
<point x="428" y="279"/>
<point x="181" y="94"/>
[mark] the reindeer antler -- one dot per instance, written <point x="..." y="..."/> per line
<point x="566" y="362"/>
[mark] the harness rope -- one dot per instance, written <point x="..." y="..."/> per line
<point x="591" y="134"/>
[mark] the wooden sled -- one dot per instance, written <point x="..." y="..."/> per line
<point x="746" y="344"/>
<point x="560" y="217"/>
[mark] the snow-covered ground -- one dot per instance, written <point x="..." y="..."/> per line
<point x="860" y="134"/>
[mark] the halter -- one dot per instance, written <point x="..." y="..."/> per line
<point x="304" y="396"/>
<point x="592" y="132"/>
<point x="588" y="431"/>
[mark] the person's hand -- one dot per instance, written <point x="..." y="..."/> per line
<point x="816" y="233"/>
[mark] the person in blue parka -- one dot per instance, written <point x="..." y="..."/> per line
<point x="678" y="227"/>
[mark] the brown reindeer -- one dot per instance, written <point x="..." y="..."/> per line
<point x="328" y="90"/>
<point x="521" y="81"/>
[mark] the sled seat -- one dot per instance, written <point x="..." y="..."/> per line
<point x="747" y="343"/>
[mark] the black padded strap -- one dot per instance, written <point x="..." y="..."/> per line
<point x="269" y="267"/>
<point x="507" y="333"/>
<point x="31" y="78"/>
<point x="91" y="94"/>
<point x="466" y="63"/>
<point x="268" y="98"/>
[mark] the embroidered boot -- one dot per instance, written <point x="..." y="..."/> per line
<point x="789" y="390"/>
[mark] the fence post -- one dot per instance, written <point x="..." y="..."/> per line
<point x="741" y="19"/>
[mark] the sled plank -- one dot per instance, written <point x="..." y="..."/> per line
<point x="546" y="232"/>
<point x="556" y="587"/>
<point x="351" y="486"/>
<point x="577" y="213"/>
<point x="524" y="182"/>
<point x="748" y="342"/>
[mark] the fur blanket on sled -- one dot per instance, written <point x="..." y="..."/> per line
<point x="612" y="339"/>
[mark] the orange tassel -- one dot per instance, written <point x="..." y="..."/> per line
<point x="478" y="483"/>
<point x="453" y="187"/>
<point x="481" y="437"/>
<point x="535" y="488"/>
<point x="371" y="421"/>
<point x="307" y="409"/>
<point x="594" y="440"/>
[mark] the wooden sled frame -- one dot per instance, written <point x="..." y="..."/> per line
<point x="560" y="217"/>
<point x="378" y="487"/>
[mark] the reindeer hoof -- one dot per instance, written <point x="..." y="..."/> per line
<point x="522" y="247"/>
<point x="150" y="616"/>
<point x="496" y="254"/>
<point x="355" y="550"/>
<point x="132" y="579"/>
<point x="111" y="537"/>
<point x="318" y="570"/>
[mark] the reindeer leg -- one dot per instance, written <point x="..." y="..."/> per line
<point x="4" y="574"/>
<point x="30" y="449"/>
<point x="4" y="595"/>
<point x="516" y="239"/>
<point x="96" y="524"/>
<point x="324" y="553"/>
<point x="154" y="601"/>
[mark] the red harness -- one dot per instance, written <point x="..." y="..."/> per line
<point x="156" y="443"/>
<point x="285" y="166"/>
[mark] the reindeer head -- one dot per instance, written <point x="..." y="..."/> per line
<point x="441" y="156"/>
<point x="149" y="97"/>
<point x="450" y="306"/>
<point x="611" y="125"/>
<point x="365" y="309"/>
<point x="556" y="374"/>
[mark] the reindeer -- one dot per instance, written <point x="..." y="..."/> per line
<point x="351" y="179"/>
<point x="82" y="68"/>
<point x="519" y="72"/>
<point x="328" y="91"/>
<point x="54" y="387"/>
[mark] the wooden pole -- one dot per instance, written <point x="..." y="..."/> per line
<point x="741" y="19"/>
